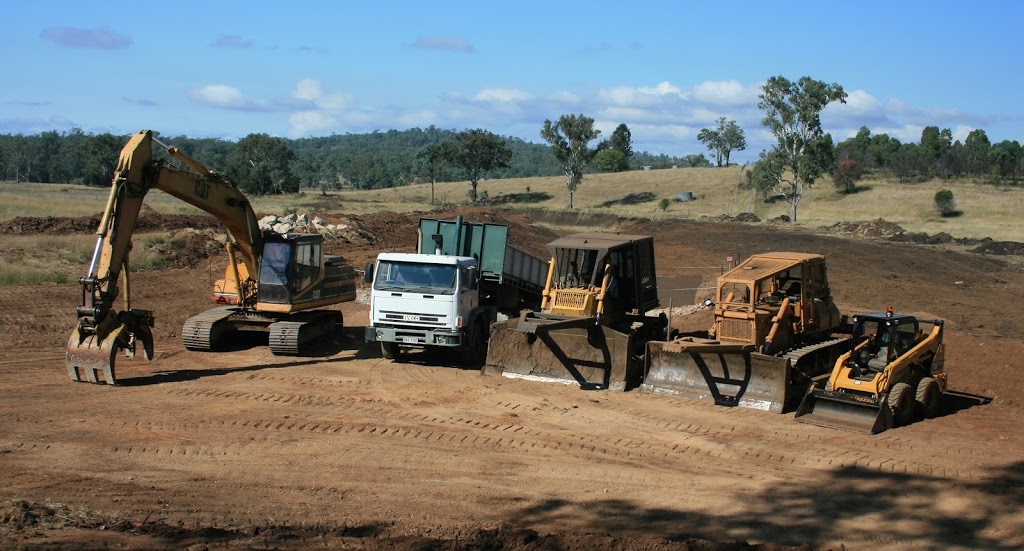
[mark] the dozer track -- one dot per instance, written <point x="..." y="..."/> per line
<point x="592" y="356"/>
<point x="736" y="375"/>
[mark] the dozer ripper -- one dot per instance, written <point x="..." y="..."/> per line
<point x="893" y="374"/>
<point x="775" y="330"/>
<point x="593" y="324"/>
<point x="272" y="283"/>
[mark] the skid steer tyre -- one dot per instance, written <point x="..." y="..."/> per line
<point x="901" y="404"/>
<point x="927" y="398"/>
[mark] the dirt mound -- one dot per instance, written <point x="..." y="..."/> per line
<point x="882" y="229"/>
<point x="149" y="221"/>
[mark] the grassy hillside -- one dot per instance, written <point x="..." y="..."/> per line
<point x="987" y="211"/>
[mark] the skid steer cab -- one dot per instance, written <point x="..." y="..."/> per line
<point x="893" y="374"/>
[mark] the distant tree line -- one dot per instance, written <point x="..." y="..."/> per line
<point x="936" y="156"/>
<point x="265" y="164"/>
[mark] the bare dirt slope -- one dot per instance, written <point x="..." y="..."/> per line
<point x="243" y="449"/>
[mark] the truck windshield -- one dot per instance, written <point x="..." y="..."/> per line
<point x="412" y="277"/>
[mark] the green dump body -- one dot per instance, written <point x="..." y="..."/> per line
<point x="499" y="261"/>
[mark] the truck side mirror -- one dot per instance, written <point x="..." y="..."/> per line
<point x="368" y="273"/>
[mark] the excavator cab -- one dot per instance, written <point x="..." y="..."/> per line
<point x="291" y="264"/>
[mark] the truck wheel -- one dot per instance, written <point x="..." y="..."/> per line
<point x="901" y="403"/>
<point x="390" y="350"/>
<point x="476" y="352"/>
<point x="927" y="398"/>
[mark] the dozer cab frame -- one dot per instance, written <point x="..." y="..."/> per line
<point x="894" y="373"/>
<point x="773" y="333"/>
<point x="592" y="325"/>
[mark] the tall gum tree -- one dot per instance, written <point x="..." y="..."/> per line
<point x="792" y="112"/>
<point x="570" y="138"/>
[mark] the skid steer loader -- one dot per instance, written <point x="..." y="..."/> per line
<point x="592" y="327"/>
<point x="893" y="374"/>
<point x="775" y="330"/>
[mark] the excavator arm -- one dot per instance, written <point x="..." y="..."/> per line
<point x="101" y="330"/>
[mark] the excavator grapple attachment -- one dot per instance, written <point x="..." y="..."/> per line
<point x="836" y="410"/>
<point x="729" y="375"/>
<point x="92" y="351"/>
<point x="590" y="355"/>
<point x="91" y="358"/>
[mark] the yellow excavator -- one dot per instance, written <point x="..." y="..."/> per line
<point x="776" y="331"/>
<point x="273" y="283"/>
<point x="893" y="374"/>
<point x="593" y="324"/>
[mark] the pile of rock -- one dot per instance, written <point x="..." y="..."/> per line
<point x="300" y="223"/>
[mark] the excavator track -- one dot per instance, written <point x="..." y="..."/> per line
<point x="291" y="337"/>
<point x="204" y="331"/>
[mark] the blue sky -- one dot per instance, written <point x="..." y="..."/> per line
<point x="666" y="69"/>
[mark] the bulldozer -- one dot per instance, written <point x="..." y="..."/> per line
<point x="776" y="330"/>
<point x="592" y="326"/>
<point x="893" y="374"/>
<point x="273" y="284"/>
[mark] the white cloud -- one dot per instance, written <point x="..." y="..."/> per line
<point x="562" y="96"/>
<point x="729" y="92"/>
<point x="223" y="96"/>
<point x="508" y="95"/>
<point x="231" y="41"/>
<point x="304" y="123"/>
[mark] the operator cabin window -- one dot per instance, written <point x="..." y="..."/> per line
<point x="307" y="259"/>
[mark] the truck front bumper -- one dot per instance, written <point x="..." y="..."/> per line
<point x="414" y="336"/>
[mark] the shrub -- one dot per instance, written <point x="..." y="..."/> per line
<point x="945" y="203"/>
<point x="664" y="203"/>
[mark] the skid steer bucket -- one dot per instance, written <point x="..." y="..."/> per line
<point x="730" y="375"/>
<point x="837" y="410"/>
<point x="592" y="356"/>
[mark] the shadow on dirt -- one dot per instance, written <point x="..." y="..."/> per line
<point x="320" y="353"/>
<point x="954" y="402"/>
<point x="813" y="511"/>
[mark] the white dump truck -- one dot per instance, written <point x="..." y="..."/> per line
<point x="463" y="277"/>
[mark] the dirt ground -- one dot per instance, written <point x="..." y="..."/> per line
<point x="241" y="449"/>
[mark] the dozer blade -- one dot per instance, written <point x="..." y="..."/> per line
<point x="93" y="357"/>
<point x="730" y="375"/>
<point x="835" y="410"/>
<point x="594" y="357"/>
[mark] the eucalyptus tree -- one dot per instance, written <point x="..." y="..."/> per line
<point x="570" y="139"/>
<point x="792" y="112"/>
<point x="477" y="152"/>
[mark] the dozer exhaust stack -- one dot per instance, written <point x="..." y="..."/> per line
<point x="588" y="354"/>
<point x="730" y="375"/>
<point x="836" y="410"/>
